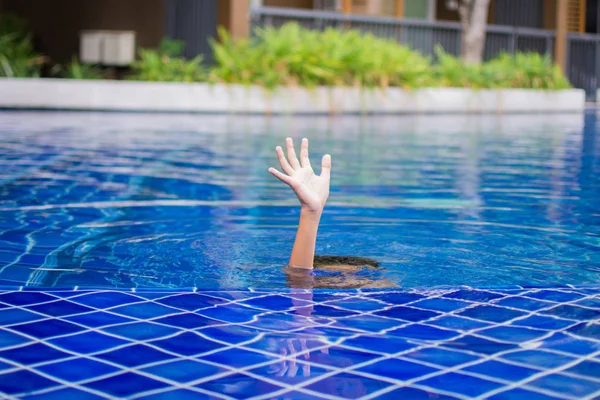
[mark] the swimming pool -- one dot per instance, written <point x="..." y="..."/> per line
<point x="141" y="257"/>
<point x="122" y="200"/>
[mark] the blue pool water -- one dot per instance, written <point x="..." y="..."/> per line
<point x="141" y="256"/>
<point x="159" y="201"/>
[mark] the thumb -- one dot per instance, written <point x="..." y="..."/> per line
<point x="326" y="166"/>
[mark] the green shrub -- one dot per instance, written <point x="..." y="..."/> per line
<point x="291" y="55"/>
<point x="522" y="70"/>
<point x="526" y="70"/>
<point x="77" y="70"/>
<point x="17" y="56"/>
<point x="165" y="64"/>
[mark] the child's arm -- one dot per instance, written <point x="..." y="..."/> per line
<point x="312" y="190"/>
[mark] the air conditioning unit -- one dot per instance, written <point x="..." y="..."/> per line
<point x="111" y="48"/>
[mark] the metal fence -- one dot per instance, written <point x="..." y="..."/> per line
<point x="583" y="63"/>
<point x="583" y="57"/>
<point x="421" y="35"/>
<point x="193" y="22"/>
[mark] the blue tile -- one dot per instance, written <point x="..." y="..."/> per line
<point x="521" y="394"/>
<point x="491" y="313"/>
<point x="60" y="308"/>
<point x="77" y="369"/>
<point x="573" y="312"/>
<point x="5" y="366"/>
<point x="523" y="303"/>
<point x="339" y="357"/>
<point x="444" y="358"/>
<point x="358" y="304"/>
<point x="320" y="311"/>
<point x="280" y="343"/>
<point x="461" y="384"/>
<point x="423" y="332"/>
<point x="190" y="302"/>
<point x="103" y="300"/>
<point x="478" y="345"/>
<point x="125" y="385"/>
<point x="367" y="323"/>
<point x="33" y="354"/>
<point x="11" y="316"/>
<point x="566" y="385"/>
<point x="512" y="334"/>
<point x="233" y="334"/>
<point x="554" y="295"/>
<point x="473" y="295"/>
<point x="401" y="370"/>
<point x="408" y="314"/>
<point x="62" y="394"/>
<point x="538" y="358"/>
<point x="586" y="330"/>
<point x="543" y="322"/>
<point x="407" y="393"/>
<point x="237" y="358"/>
<point x="184" y="371"/>
<point x="98" y="319"/>
<point x="289" y="395"/>
<point x="187" y="321"/>
<point x="381" y="343"/>
<point x="281" y="322"/>
<point x="570" y="344"/>
<point x="333" y="333"/>
<point x="187" y="344"/>
<point x="25" y="298"/>
<point x="141" y="331"/>
<point x="593" y="302"/>
<point x="276" y="302"/>
<point x="24" y="382"/>
<point x="47" y="328"/>
<point x="440" y="304"/>
<point x="88" y="342"/>
<point x="502" y="370"/>
<point x="290" y="373"/>
<point x="180" y="394"/>
<point x="239" y="386"/>
<point x="348" y="386"/>
<point x="458" y="323"/>
<point x="320" y="297"/>
<point x="589" y="368"/>
<point x="8" y="339"/>
<point x="134" y="356"/>
<point x="144" y="310"/>
<point x="232" y="313"/>
<point x="396" y="298"/>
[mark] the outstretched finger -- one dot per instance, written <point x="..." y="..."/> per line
<point x="282" y="177"/>
<point x="287" y="168"/>
<point x="289" y="143"/>
<point x="304" y="160"/>
<point x="326" y="166"/>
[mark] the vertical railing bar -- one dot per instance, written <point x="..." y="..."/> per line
<point x="596" y="70"/>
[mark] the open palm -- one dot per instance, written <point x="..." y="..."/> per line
<point x="311" y="189"/>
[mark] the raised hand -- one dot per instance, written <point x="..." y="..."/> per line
<point x="312" y="190"/>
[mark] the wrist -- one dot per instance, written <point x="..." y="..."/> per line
<point x="311" y="213"/>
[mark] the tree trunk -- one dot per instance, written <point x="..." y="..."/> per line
<point x="473" y="16"/>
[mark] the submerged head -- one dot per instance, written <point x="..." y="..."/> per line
<point x="344" y="263"/>
<point x="339" y="272"/>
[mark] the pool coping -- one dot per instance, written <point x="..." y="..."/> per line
<point x="174" y="97"/>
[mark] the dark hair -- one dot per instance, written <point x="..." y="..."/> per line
<point x="345" y="260"/>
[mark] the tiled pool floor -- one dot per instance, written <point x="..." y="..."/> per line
<point x="513" y="343"/>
